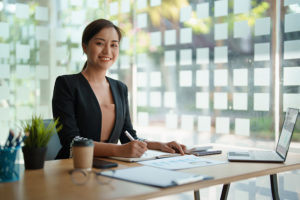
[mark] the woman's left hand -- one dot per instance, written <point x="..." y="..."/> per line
<point x="173" y="147"/>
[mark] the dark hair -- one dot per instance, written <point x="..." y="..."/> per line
<point x="94" y="27"/>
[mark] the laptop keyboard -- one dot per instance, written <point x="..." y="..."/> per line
<point x="239" y="154"/>
<point x="266" y="155"/>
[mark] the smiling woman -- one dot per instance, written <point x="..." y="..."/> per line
<point x="93" y="106"/>
<point x="102" y="51"/>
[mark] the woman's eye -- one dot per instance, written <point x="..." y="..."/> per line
<point x="99" y="43"/>
<point x="114" y="45"/>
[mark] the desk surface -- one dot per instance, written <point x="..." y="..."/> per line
<point x="54" y="182"/>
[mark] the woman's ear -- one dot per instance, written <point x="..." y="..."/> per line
<point x="84" y="47"/>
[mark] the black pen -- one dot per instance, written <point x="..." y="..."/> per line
<point x="10" y="137"/>
<point x="19" y="140"/>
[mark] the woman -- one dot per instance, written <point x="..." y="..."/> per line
<point x="93" y="106"/>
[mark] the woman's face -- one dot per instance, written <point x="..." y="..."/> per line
<point x="103" y="49"/>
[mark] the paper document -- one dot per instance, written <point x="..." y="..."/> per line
<point x="154" y="176"/>
<point x="181" y="162"/>
<point x="148" y="155"/>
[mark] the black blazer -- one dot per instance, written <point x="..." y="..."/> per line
<point x="77" y="107"/>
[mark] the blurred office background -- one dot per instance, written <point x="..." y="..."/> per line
<point x="198" y="71"/>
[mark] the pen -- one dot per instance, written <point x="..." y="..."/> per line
<point x="129" y="136"/>
<point x="18" y="140"/>
<point x="10" y="138"/>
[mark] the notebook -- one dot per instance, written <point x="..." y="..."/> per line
<point x="154" y="176"/>
<point x="148" y="155"/>
<point x="283" y="144"/>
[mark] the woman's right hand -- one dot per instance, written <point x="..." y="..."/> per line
<point x="133" y="149"/>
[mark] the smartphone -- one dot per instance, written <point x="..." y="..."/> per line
<point x="207" y="152"/>
<point x="103" y="164"/>
<point x="197" y="149"/>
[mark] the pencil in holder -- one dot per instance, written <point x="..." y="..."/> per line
<point x="9" y="170"/>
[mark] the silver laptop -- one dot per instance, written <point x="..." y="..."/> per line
<point x="282" y="148"/>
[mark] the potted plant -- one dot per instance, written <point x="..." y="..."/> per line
<point x="36" y="139"/>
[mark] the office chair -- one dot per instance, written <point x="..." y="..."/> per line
<point x="54" y="144"/>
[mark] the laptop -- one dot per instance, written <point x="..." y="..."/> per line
<point x="282" y="148"/>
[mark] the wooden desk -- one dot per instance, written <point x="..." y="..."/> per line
<point x="54" y="181"/>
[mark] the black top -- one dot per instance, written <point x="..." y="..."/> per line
<point x="77" y="107"/>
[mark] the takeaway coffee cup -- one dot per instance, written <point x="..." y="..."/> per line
<point x="82" y="152"/>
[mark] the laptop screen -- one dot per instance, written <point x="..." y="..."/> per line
<point x="287" y="131"/>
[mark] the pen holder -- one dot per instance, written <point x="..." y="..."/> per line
<point x="9" y="171"/>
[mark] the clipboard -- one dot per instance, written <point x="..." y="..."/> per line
<point x="154" y="176"/>
<point x="148" y="155"/>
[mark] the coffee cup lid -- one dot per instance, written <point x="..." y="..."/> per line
<point x="82" y="142"/>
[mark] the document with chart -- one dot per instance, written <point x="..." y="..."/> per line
<point x="181" y="162"/>
<point x="148" y="155"/>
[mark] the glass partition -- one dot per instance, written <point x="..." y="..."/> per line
<point x="202" y="68"/>
<point x="290" y="59"/>
<point x="198" y="71"/>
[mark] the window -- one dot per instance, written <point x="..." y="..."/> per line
<point x="198" y="71"/>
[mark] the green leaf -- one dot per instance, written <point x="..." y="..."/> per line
<point x="37" y="134"/>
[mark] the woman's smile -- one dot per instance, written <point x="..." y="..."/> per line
<point x="104" y="58"/>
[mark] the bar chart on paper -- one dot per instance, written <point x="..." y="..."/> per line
<point x="181" y="162"/>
